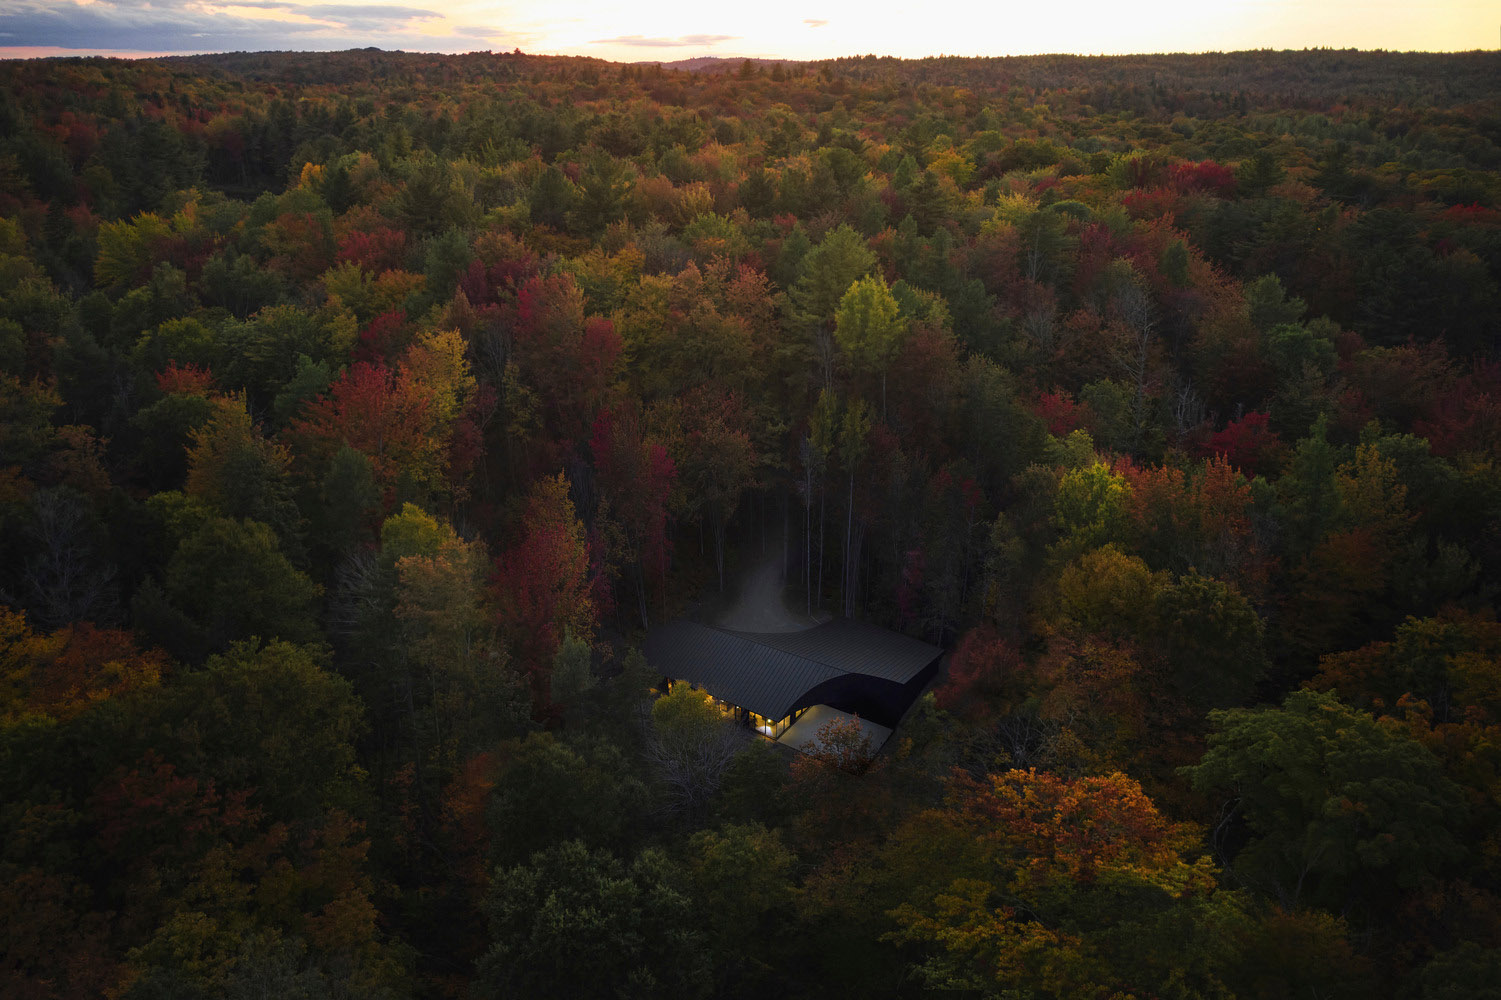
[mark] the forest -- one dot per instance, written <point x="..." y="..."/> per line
<point x="360" y="411"/>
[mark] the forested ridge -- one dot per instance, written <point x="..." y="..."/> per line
<point x="360" y="411"/>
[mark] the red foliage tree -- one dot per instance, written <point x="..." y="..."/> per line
<point x="1061" y="413"/>
<point x="570" y="362"/>
<point x="185" y="380"/>
<point x="636" y="476"/>
<point x="1249" y="445"/>
<point x="985" y="675"/>
<point x="1206" y="175"/>
<point x="385" y="337"/>
<point x="542" y="585"/>
<point x="373" y="410"/>
<point x="376" y="251"/>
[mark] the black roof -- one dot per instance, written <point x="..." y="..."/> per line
<point x="853" y="647"/>
<point x="771" y="672"/>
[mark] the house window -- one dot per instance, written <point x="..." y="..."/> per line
<point x="774" y="728"/>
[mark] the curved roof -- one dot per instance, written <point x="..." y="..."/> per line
<point x="853" y="647"/>
<point x="770" y="673"/>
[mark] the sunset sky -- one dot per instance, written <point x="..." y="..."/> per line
<point x="805" y="29"/>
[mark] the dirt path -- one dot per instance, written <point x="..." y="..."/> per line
<point x="759" y="607"/>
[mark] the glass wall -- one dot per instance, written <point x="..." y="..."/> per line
<point x="729" y="711"/>
<point x="774" y="728"/>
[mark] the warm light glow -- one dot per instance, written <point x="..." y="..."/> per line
<point x="678" y="29"/>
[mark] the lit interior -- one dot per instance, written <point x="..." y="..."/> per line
<point x="771" y="728"/>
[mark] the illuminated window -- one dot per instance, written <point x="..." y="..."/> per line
<point x="774" y="728"/>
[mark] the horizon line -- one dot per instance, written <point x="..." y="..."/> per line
<point x="27" y="53"/>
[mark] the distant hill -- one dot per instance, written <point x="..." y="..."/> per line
<point x="713" y="64"/>
<point x="1306" y="78"/>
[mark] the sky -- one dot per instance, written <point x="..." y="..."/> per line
<point x="668" y="30"/>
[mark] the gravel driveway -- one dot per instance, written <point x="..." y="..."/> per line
<point x="759" y="607"/>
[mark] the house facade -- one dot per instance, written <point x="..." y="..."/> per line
<point x="768" y="680"/>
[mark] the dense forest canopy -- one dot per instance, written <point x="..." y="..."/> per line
<point x="360" y="411"/>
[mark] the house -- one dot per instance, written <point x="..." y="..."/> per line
<point x="786" y="684"/>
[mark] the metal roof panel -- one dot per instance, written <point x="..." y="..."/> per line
<point x="769" y="673"/>
<point x="854" y="647"/>
<point x="732" y="667"/>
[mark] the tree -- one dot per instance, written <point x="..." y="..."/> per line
<point x="691" y="747"/>
<point x="1340" y="809"/>
<point x="604" y="193"/>
<point x="1442" y="662"/>
<point x="65" y="578"/>
<point x="542" y="584"/>
<point x="1198" y="519"/>
<point x="553" y="198"/>
<point x="854" y="445"/>
<point x="63" y="674"/>
<point x="266" y="717"/>
<point x="1090" y="508"/>
<point x="265" y="351"/>
<point x="823" y="432"/>
<point x="232" y="581"/>
<point x="826" y="274"/>
<point x="841" y="743"/>
<point x="579" y="923"/>
<point x="1212" y="640"/>
<point x="1468" y="970"/>
<point x="547" y="790"/>
<point x="375" y="411"/>
<point x="461" y="693"/>
<point x="233" y="467"/>
<point x="717" y="463"/>
<point x="1136" y="345"/>
<point x="572" y="673"/>
<point x="1059" y="887"/>
<point x="742" y="882"/>
<point x="1108" y="593"/>
<point x="636" y="478"/>
<point x="568" y="361"/>
<point x="986" y="677"/>
<point x="349" y="503"/>
<point x="402" y="419"/>
<point x="868" y="328"/>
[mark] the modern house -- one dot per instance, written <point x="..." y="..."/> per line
<point x="786" y="684"/>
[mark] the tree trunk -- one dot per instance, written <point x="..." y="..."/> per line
<point x="641" y="595"/>
<point x="786" y="527"/>
<point x="719" y="551"/>
<point x="862" y="574"/>
<point x="808" y="542"/>
<point x="823" y="499"/>
<point x="849" y="525"/>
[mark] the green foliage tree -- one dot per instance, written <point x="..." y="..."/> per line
<point x="1212" y="639"/>
<point x="581" y="923"/>
<point x="231" y="581"/>
<point x="827" y="272"/>
<point x="549" y="790"/>
<point x="1340" y="809"/>
<point x="1090" y="508"/>
<point x="692" y="747"/>
<point x="868" y="329"/>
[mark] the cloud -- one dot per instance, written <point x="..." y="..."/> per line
<point x="195" y="26"/>
<point x="682" y="41"/>
<point x="815" y="22"/>
<point x="357" y="16"/>
<point x="493" y="34"/>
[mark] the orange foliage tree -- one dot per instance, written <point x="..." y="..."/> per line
<point x="1025" y="872"/>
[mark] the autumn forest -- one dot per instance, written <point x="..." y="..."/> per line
<point x="360" y="412"/>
